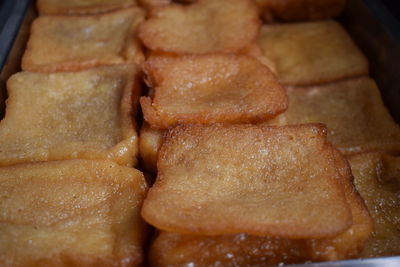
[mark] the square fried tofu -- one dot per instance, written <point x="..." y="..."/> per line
<point x="80" y="7"/>
<point x="203" y="27"/>
<point x="174" y="249"/>
<point x="71" y="213"/>
<point x="377" y="178"/>
<point x="64" y="115"/>
<point x="312" y="53"/>
<point x="259" y="180"/>
<point x="70" y="43"/>
<point x="300" y="10"/>
<point x="150" y="141"/>
<point x="353" y="111"/>
<point x="210" y="88"/>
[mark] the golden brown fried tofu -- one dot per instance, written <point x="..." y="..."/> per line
<point x="70" y="43"/>
<point x="203" y="27"/>
<point x="260" y="180"/>
<point x="88" y="114"/>
<point x="300" y="10"/>
<point x="353" y="111"/>
<point x="80" y="7"/>
<point x="150" y="142"/>
<point x="71" y="213"/>
<point x="173" y="249"/>
<point x="210" y="88"/>
<point x="312" y="53"/>
<point x="377" y="178"/>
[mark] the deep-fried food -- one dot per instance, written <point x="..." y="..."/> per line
<point x="353" y="111"/>
<point x="150" y="142"/>
<point x="377" y="178"/>
<point x="203" y="27"/>
<point x="312" y="53"/>
<point x="298" y="10"/>
<point x="260" y="180"/>
<point x="86" y="114"/>
<point x="63" y="43"/>
<point x="173" y="249"/>
<point x="210" y="88"/>
<point x="71" y="213"/>
<point x="80" y="7"/>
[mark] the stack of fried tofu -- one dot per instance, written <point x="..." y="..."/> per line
<point x="264" y="138"/>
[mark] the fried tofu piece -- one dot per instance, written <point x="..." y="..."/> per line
<point x="173" y="249"/>
<point x="203" y="27"/>
<point x="154" y="3"/>
<point x="74" y="212"/>
<point x="229" y="179"/>
<point x="353" y="111"/>
<point x="300" y="10"/>
<point x="312" y="53"/>
<point x="150" y="142"/>
<point x="80" y="7"/>
<point x="70" y="43"/>
<point x="377" y="178"/>
<point x="86" y="114"/>
<point x="210" y="88"/>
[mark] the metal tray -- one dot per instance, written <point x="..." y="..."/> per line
<point x="369" y="22"/>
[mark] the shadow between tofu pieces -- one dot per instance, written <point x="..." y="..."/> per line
<point x="312" y="53"/>
<point x="254" y="179"/>
<point x="71" y="213"/>
<point x="80" y="7"/>
<point x="353" y="111"/>
<point x="210" y="88"/>
<point x="377" y="178"/>
<point x="71" y="43"/>
<point x="65" y="115"/>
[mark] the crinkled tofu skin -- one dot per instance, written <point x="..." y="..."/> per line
<point x="71" y="213"/>
<point x="64" y="115"/>
<point x="353" y="111"/>
<point x="312" y="53"/>
<point x="150" y="142"/>
<point x="80" y="7"/>
<point x="300" y="10"/>
<point x="173" y="249"/>
<point x="203" y="27"/>
<point x="210" y="88"/>
<point x="377" y="178"/>
<point x="259" y="180"/>
<point x="70" y="43"/>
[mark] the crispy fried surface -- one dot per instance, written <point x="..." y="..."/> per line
<point x="228" y="179"/>
<point x="312" y="53"/>
<point x="353" y="111"/>
<point x="173" y="249"/>
<point x="295" y="10"/>
<point x="377" y="178"/>
<point x="76" y="212"/>
<point x="80" y="7"/>
<point x="150" y="142"/>
<point x="203" y="27"/>
<point x="86" y="114"/>
<point x="210" y="88"/>
<point x="63" y="43"/>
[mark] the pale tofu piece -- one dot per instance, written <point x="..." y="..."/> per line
<point x="150" y="142"/>
<point x="71" y="213"/>
<point x="312" y="53"/>
<point x="353" y="111"/>
<point x="259" y="180"/>
<point x="173" y="249"/>
<point x="377" y="178"/>
<point x="80" y="7"/>
<point x="88" y="114"/>
<point x="203" y="27"/>
<point x="70" y="43"/>
<point x="210" y="88"/>
<point x="300" y="10"/>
